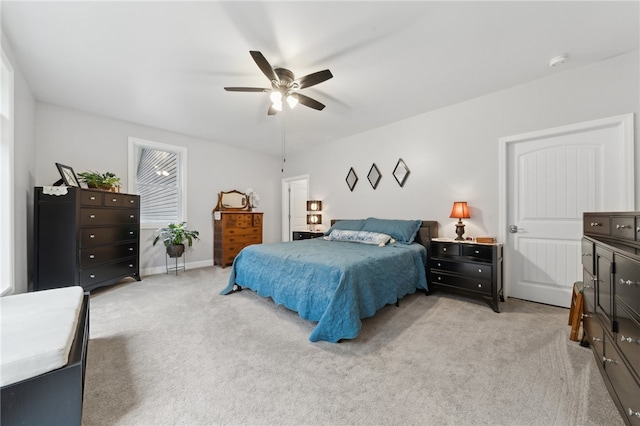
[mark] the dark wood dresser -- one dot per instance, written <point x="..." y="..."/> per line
<point x="86" y="237"/>
<point x="233" y="231"/>
<point x="474" y="269"/>
<point x="611" y="308"/>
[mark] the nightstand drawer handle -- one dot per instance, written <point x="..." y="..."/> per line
<point x="623" y="227"/>
<point x="634" y="413"/>
<point x="477" y="251"/>
<point x="92" y="276"/>
<point x="130" y="248"/>
<point x="587" y="254"/>
<point x="479" y="285"/>
<point x="92" y="256"/>
<point x="439" y="264"/>
<point x="609" y="360"/>
<point x="92" y="236"/>
<point x="93" y="216"/>
<point x="596" y="339"/>
<point x="628" y="282"/>
<point x="92" y="198"/>
<point x="479" y="270"/>
<point x="587" y="316"/>
<point x="629" y="339"/>
<point x="596" y="224"/>
<point x="444" y="249"/>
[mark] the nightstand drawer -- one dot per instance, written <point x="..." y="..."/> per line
<point x="445" y="249"/>
<point x="478" y="252"/>
<point x="467" y="283"/>
<point x="472" y="270"/>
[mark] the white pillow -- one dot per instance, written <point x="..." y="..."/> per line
<point x="364" y="237"/>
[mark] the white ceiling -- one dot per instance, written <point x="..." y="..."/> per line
<point x="164" y="64"/>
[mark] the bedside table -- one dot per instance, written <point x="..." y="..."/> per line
<point x="471" y="268"/>
<point x="306" y="235"/>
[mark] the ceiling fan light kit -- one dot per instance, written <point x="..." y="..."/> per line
<point x="284" y="85"/>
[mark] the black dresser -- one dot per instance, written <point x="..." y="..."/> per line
<point x="611" y="308"/>
<point x="86" y="237"/>
<point x="474" y="269"/>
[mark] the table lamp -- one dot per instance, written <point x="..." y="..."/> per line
<point x="460" y="211"/>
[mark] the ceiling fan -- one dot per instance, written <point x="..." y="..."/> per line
<point x="284" y="85"/>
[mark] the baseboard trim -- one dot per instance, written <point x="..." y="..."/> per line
<point x="163" y="270"/>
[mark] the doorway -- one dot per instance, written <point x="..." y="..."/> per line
<point x="547" y="180"/>
<point x="295" y="193"/>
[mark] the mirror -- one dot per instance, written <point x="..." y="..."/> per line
<point x="401" y="172"/>
<point x="232" y="200"/>
<point x="374" y="176"/>
<point x="352" y="179"/>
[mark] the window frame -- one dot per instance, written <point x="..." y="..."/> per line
<point x="7" y="198"/>
<point x="135" y="145"/>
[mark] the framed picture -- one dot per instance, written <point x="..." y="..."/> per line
<point x="68" y="175"/>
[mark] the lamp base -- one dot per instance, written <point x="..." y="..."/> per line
<point x="459" y="230"/>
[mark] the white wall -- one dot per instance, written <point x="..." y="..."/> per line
<point x="90" y="142"/>
<point x="453" y="152"/>
<point x="24" y="172"/>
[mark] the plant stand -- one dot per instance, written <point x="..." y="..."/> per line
<point x="176" y="268"/>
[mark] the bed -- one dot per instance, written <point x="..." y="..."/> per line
<point x="338" y="281"/>
<point x="44" y="346"/>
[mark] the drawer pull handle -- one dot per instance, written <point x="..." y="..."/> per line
<point x="92" y="197"/>
<point x="114" y="199"/>
<point x="439" y="264"/>
<point x="131" y="202"/>
<point x="130" y="248"/>
<point x="92" y="236"/>
<point x="92" y="256"/>
<point x="587" y="254"/>
<point x="634" y="413"/>
<point x="439" y="278"/>
<point x="132" y="216"/>
<point x="628" y="282"/>
<point x="131" y="265"/>
<point x="609" y="360"/>
<point x="93" y="216"/>
<point x="586" y="316"/>
<point x="629" y="339"/>
<point x="479" y="285"/>
<point x="587" y="286"/>
<point x="92" y="276"/>
<point x="618" y="226"/>
<point x="479" y="270"/>
<point x="130" y="232"/>
<point x="444" y="249"/>
<point x="596" y="339"/>
<point x="596" y="224"/>
<point x="477" y="251"/>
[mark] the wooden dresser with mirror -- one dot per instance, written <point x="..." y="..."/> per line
<point x="235" y="226"/>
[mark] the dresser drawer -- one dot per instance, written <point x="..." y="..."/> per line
<point x="477" y="251"/>
<point x="596" y="224"/>
<point x="445" y="249"/>
<point x="467" y="283"/>
<point x="595" y="333"/>
<point x="237" y="232"/>
<point x="102" y="254"/>
<point x="626" y="388"/>
<point x="91" y="198"/>
<point x="471" y="270"/>
<point x="628" y="336"/>
<point x="89" y="217"/>
<point x="238" y="220"/>
<point x="112" y="199"/>
<point x="242" y="240"/>
<point x="588" y="289"/>
<point x="627" y="282"/>
<point x="587" y="255"/>
<point x="90" y="237"/>
<point x="108" y="271"/>
<point x="623" y="227"/>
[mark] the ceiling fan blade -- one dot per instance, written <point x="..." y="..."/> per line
<point x="264" y="65"/>
<point x="272" y="110"/>
<point x="311" y="103"/>
<point x="315" y="78"/>
<point x="246" y="89"/>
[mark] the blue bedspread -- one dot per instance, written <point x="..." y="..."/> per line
<point x="334" y="283"/>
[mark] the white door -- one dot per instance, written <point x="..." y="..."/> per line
<point x="295" y="193"/>
<point x="548" y="180"/>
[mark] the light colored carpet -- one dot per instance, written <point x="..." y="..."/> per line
<point x="171" y="350"/>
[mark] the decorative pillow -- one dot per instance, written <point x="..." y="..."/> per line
<point x="363" y="237"/>
<point x="350" y="225"/>
<point x="403" y="231"/>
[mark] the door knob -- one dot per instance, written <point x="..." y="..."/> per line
<point x="513" y="228"/>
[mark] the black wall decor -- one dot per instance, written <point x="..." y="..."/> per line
<point x="401" y="172"/>
<point x="352" y="179"/>
<point x="374" y="176"/>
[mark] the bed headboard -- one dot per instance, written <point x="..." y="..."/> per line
<point x="427" y="231"/>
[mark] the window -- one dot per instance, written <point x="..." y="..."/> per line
<point x="7" y="243"/>
<point x="157" y="174"/>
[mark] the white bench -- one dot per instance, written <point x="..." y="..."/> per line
<point x="44" y="337"/>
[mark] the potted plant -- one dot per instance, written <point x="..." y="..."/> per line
<point x="173" y="237"/>
<point x="106" y="181"/>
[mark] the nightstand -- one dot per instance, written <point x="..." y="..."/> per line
<point x="471" y="268"/>
<point x="306" y="235"/>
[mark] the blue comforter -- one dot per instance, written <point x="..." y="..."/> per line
<point x="334" y="283"/>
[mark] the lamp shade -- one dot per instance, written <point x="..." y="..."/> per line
<point x="314" y="219"/>
<point x="460" y="210"/>
<point x="314" y="206"/>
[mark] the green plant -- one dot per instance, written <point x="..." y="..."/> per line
<point x="99" y="180"/>
<point x="175" y="234"/>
